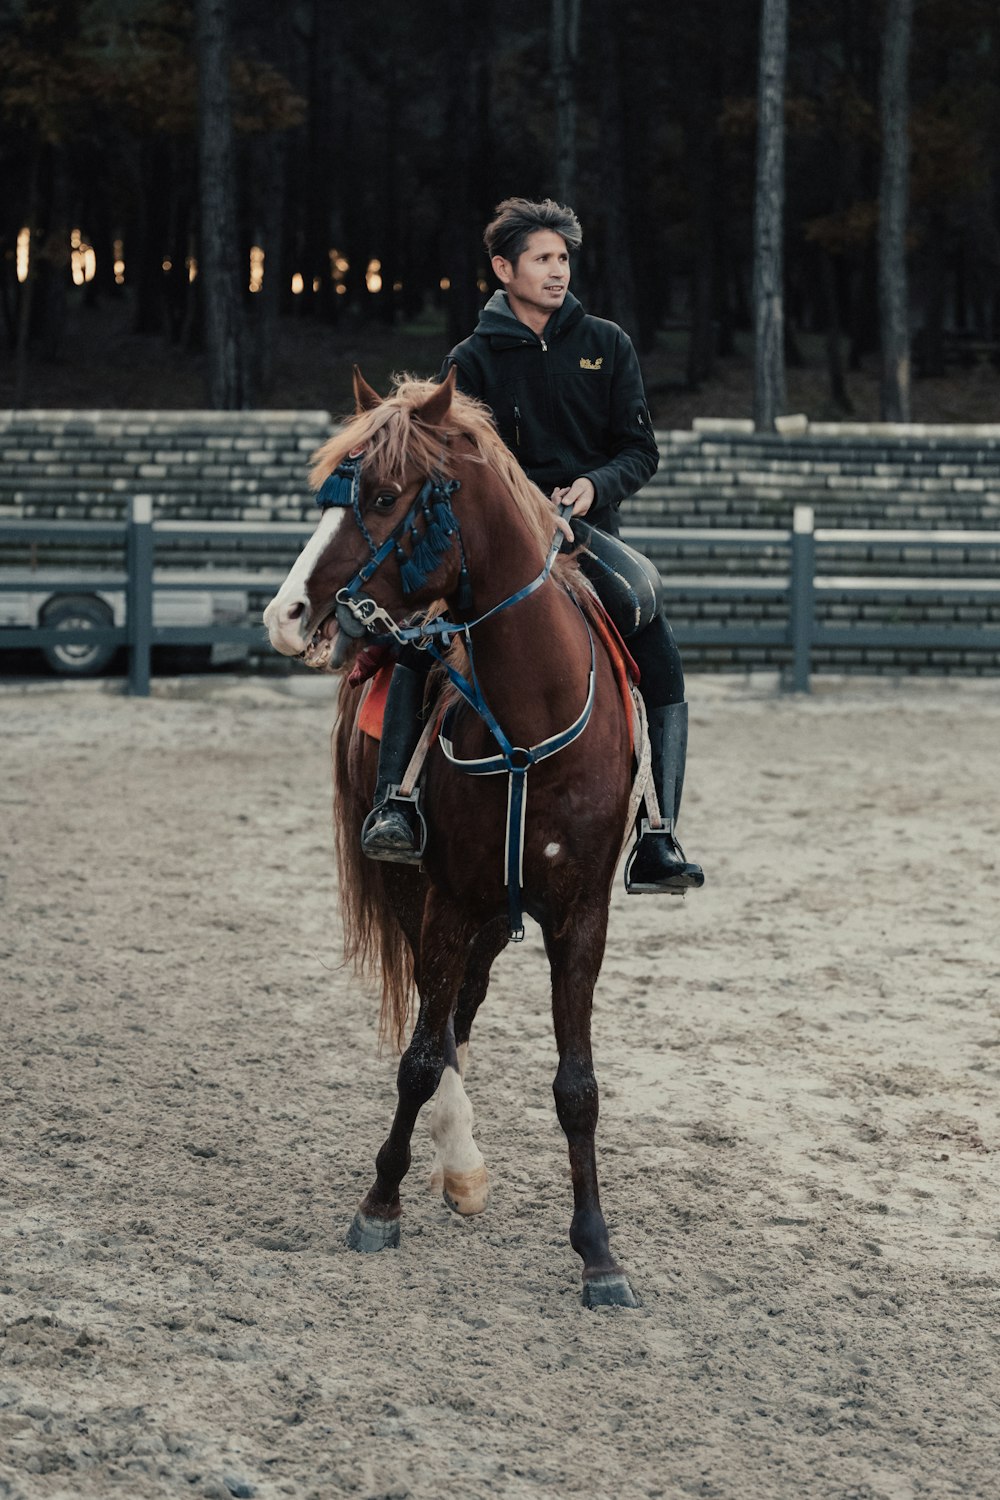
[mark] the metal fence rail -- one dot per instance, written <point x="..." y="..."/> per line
<point x="135" y="540"/>
<point x="798" y="585"/>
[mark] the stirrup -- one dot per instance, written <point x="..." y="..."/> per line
<point x="395" y="830"/>
<point x="675" y="874"/>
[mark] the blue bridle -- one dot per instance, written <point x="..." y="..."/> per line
<point x="357" y="612"/>
<point x="342" y="489"/>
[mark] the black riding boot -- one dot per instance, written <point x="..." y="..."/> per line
<point x="395" y="829"/>
<point x="657" y="864"/>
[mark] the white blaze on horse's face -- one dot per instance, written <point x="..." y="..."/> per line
<point x="288" y="616"/>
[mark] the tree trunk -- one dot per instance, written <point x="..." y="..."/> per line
<point x="145" y="247"/>
<point x="617" y="284"/>
<point x="27" y="292"/>
<point x="834" y="356"/>
<point x="565" y="39"/>
<point x="54" y="274"/>
<point x="768" y="220"/>
<point x="864" y="307"/>
<point x="930" y="360"/>
<point x="328" y="147"/>
<point x="893" y="200"/>
<point x="392" y="270"/>
<point x="467" y="44"/>
<point x="723" y="278"/>
<point x="221" y="266"/>
<point x="268" y="156"/>
<point x="701" y="338"/>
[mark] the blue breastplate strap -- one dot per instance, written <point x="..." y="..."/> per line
<point x="516" y="762"/>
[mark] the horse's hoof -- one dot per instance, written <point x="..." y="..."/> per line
<point x="466" y="1192"/>
<point x="610" y="1289"/>
<point x="369" y="1235"/>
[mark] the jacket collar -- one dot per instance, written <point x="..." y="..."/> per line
<point x="505" y="331"/>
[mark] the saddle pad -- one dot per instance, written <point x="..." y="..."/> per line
<point x="625" y="670"/>
<point x="372" y="710"/>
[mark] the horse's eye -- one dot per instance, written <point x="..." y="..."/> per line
<point x="386" y="499"/>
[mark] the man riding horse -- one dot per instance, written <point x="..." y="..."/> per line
<point x="566" y="393"/>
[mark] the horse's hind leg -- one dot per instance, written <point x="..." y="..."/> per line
<point x="575" y="958"/>
<point x="443" y="945"/>
<point x="459" y="1172"/>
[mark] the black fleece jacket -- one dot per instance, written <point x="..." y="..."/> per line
<point x="568" y="405"/>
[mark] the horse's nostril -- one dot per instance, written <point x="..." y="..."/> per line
<point x="295" y="611"/>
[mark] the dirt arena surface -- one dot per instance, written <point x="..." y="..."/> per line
<point x="799" y="1070"/>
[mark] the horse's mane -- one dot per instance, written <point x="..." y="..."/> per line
<point x="394" y="439"/>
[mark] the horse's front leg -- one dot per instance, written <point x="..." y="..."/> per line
<point x="443" y="942"/>
<point x="459" y="1172"/>
<point x="575" y="956"/>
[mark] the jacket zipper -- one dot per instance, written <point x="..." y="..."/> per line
<point x="517" y="410"/>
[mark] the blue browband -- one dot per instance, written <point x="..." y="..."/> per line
<point x="357" y="612"/>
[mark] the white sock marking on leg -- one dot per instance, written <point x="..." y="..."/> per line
<point x="451" y="1126"/>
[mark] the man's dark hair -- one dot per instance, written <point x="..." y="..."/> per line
<point x="517" y="218"/>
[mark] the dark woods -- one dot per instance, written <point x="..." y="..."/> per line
<point x="210" y="167"/>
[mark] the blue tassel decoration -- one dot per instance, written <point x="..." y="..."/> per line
<point x="338" y="489"/>
<point x="434" y="545"/>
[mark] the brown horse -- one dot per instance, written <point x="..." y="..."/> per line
<point x="439" y="927"/>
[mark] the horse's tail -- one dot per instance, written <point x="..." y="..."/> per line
<point x="374" y="941"/>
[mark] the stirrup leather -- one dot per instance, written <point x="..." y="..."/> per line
<point x="410" y="854"/>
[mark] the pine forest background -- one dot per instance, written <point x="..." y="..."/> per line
<point x="340" y="180"/>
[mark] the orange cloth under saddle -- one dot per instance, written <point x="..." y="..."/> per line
<point x="622" y="665"/>
<point x="372" y="709"/>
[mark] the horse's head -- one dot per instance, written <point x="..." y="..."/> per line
<point x="386" y="539"/>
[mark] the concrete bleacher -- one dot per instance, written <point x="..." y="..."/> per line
<point x="204" y="465"/>
<point x="855" y="478"/>
<point x="252" y="466"/>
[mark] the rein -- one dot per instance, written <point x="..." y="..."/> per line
<point x="357" y="612"/>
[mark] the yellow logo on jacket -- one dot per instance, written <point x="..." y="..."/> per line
<point x="591" y="364"/>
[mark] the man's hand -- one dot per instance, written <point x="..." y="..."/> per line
<point x="579" y="494"/>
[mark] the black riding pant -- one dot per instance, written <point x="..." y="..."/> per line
<point x="630" y="588"/>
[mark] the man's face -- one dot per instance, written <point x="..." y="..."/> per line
<point x="539" y="278"/>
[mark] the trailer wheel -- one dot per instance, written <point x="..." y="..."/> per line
<point x="77" y="659"/>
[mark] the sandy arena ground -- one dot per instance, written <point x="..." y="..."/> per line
<point x="799" y="1072"/>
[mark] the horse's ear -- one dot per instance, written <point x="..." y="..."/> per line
<point x="365" y="399"/>
<point x="436" y="407"/>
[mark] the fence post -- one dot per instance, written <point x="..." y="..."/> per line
<point x="801" y="603"/>
<point x="139" y="594"/>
